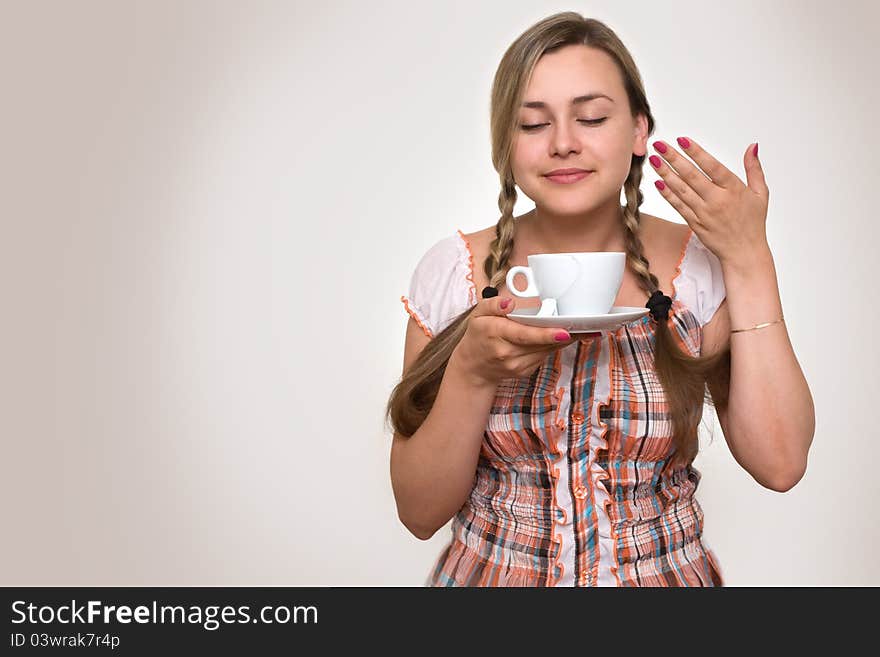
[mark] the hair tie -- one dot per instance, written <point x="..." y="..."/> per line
<point x="489" y="292"/>
<point x="659" y="304"/>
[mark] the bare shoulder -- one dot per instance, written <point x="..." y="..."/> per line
<point x="479" y="240"/>
<point x="667" y="237"/>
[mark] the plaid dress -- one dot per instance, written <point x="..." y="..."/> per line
<point x="570" y="488"/>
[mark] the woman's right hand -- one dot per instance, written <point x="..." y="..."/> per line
<point x="495" y="347"/>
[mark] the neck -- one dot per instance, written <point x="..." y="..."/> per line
<point x="599" y="230"/>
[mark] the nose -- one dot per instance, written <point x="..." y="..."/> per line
<point x="564" y="140"/>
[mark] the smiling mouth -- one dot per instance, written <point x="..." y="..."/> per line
<point x="560" y="172"/>
<point x="568" y="177"/>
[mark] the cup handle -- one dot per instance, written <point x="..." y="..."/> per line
<point x="548" y="308"/>
<point x="531" y="289"/>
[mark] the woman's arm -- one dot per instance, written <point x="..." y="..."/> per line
<point x="770" y="419"/>
<point x="432" y="471"/>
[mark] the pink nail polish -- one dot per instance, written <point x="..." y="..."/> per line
<point x="655" y="161"/>
<point x="660" y="146"/>
<point x="561" y="336"/>
<point x="659" y="184"/>
<point x="684" y="142"/>
<point x="504" y="304"/>
<point x="755" y="149"/>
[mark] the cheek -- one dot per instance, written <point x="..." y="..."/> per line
<point x="522" y="160"/>
<point x="611" y="143"/>
<point x="529" y="157"/>
<point x="523" y="150"/>
<point x="614" y="152"/>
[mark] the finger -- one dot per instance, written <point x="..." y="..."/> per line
<point x="526" y="336"/>
<point x="493" y="307"/>
<point x="680" y="172"/>
<point x="680" y="206"/>
<point x="679" y="187"/>
<point x="717" y="172"/>
<point x="754" y="171"/>
<point x="526" y="350"/>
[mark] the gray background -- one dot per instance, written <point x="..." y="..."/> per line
<point x="211" y="209"/>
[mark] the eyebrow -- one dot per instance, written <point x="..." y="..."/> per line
<point x="537" y="104"/>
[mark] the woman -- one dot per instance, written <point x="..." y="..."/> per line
<point x="566" y="460"/>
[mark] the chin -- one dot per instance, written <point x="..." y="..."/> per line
<point x="573" y="205"/>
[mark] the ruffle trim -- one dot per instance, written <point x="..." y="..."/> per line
<point x="556" y="454"/>
<point x="677" y="274"/>
<point x="557" y="537"/>
<point x="472" y="293"/>
<point x="678" y="307"/>
<point x="603" y="475"/>
<point x="558" y="421"/>
<point x="680" y="264"/>
<point x="596" y="474"/>
<point x="416" y="315"/>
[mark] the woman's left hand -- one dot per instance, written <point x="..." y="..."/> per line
<point x="728" y="216"/>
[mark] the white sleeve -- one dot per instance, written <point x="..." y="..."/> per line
<point x="441" y="286"/>
<point x="701" y="284"/>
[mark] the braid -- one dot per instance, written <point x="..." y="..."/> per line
<point x="682" y="377"/>
<point x="631" y="221"/>
<point x="496" y="263"/>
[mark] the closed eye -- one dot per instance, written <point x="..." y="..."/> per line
<point x="535" y="126"/>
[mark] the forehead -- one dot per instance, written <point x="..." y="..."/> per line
<point x="572" y="71"/>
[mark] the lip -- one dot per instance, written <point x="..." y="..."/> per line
<point x="567" y="176"/>
<point x="560" y="172"/>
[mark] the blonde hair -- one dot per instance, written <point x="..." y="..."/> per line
<point x="683" y="377"/>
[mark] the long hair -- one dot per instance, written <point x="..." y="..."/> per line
<point x="682" y="376"/>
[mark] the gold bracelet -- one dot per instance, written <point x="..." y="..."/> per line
<point x="758" y="326"/>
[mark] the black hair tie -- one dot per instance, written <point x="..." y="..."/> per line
<point x="489" y="292"/>
<point x="659" y="304"/>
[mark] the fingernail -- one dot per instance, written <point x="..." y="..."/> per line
<point x="659" y="184"/>
<point x="755" y="149"/>
<point x="660" y="146"/>
<point x="562" y="336"/>
<point x="505" y="303"/>
<point x="655" y="161"/>
<point x="683" y="142"/>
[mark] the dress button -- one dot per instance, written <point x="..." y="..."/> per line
<point x="577" y="418"/>
<point x="580" y="492"/>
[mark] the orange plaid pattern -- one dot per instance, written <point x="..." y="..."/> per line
<point x="591" y="425"/>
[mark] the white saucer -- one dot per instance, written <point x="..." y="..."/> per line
<point x="618" y="316"/>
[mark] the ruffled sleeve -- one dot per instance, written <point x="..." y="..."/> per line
<point x="700" y="284"/>
<point x="441" y="286"/>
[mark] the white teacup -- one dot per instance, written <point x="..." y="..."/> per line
<point x="572" y="283"/>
